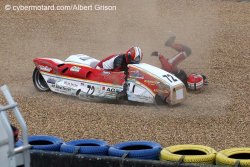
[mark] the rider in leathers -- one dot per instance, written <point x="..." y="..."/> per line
<point x="119" y="62"/>
<point x="170" y="65"/>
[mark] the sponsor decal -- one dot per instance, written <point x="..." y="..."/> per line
<point x="70" y="84"/>
<point x="143" y="97"/>
<point x="51" y="81"/>
<point x="111" y="90"/>
<point x="44" y="68"/>
<point x="75" y="69"/>
<point x="151" y="82"/>
<point x="161" y="91"/>
<point x="61" y="87"/>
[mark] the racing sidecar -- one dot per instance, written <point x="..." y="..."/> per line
<point x="77" y="76"/>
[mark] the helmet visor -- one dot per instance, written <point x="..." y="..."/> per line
<point x="136" y="60"/>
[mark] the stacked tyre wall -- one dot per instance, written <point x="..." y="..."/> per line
<point x="53" y="151"/>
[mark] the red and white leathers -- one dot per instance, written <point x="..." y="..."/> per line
<point x="119" y="62"/>
<point x="170" y="65"/>
<point x="193" y="81"/>
<point x="113" y="63"/>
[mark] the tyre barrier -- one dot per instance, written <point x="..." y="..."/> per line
<point x="60" y="159"/>
<point x="43" y="142"/>
<point x="189" y="154"/>
<point x="196" y="154"/>
<point x="234" y="157"/>
<point x="136" y="149"/>
<point x="86" y="146"/>
<point x="18" y="143"/>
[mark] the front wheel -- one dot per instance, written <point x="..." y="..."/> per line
<point x="39" y="81"/>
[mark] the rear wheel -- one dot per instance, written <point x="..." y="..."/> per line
<point x="39" y="81"/>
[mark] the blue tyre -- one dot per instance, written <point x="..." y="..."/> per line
<point x="18" y="143"/>
<point x="136" y="149"/>
<point x="43" y="142"/>
<point x="86" y="146"/>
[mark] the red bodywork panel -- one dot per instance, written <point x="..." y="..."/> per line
<point x="78" y="71"/>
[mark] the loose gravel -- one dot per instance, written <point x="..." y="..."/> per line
<point x="217" y="31"/>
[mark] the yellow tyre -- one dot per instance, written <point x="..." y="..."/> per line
<point x="189" y="154"/>
<point x="234" y="156"/>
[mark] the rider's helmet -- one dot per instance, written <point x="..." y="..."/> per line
<point x="195" y="81"/>
<point x="134" y="55"/>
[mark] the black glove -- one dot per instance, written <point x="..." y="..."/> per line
<point x="205" y="79"/>
<point x="155" y="53"/>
